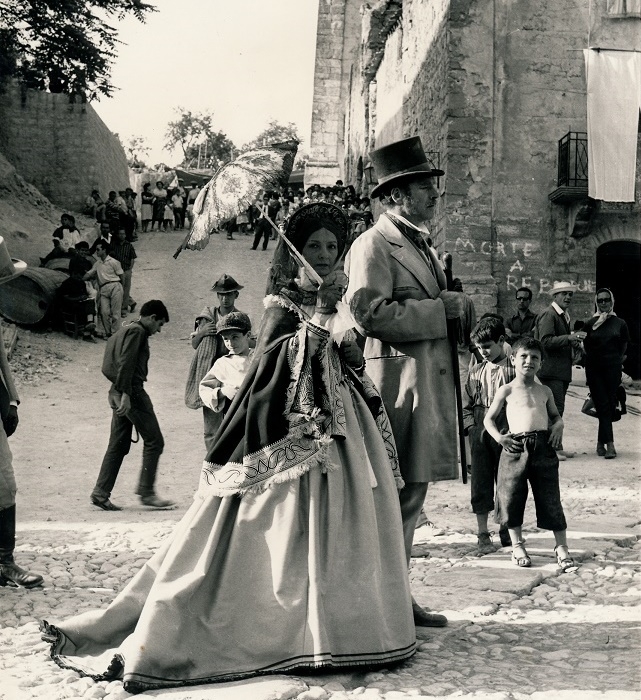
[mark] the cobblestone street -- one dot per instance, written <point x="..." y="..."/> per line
<point x="513" y="633"/>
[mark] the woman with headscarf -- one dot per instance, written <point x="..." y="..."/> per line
<point x="605" y="345"/>
<point x="292" y="554"/>
<point x="160" y="200"/>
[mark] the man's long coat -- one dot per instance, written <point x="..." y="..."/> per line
<point x="393" y="297"/>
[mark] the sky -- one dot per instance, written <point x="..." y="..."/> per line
<point x="246" y="61"/>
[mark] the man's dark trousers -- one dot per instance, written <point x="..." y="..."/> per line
<point x="263" y="230"/>
<point x="142" y="416"/>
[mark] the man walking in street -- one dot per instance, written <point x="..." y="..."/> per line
<point x="397" y="295"/>
<point x="553" y="330"/>
<point x="522" y="324"/>
<point x="10" y="573"/>
<point x="109" y="275"/>
<point x="125" y="365"/>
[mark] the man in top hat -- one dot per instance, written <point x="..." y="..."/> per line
<point x="397" y="295"/>
<point x="10" y="573"/>
<point x="553" y="330"/>
<point x="209" y="347"/>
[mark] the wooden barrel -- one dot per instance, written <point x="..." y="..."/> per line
<point x="27" y="298"/>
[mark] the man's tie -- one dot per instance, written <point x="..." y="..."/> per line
<point x="416" y="238"/>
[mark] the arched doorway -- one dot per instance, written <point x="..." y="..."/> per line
<point x="618" y="267"/>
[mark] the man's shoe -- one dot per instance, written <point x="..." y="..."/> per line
<point x="13" y="575"/>
<point x="422" y="618"/>
<point x="132" y="306"/>
<point x="154" y="501"/>
<point x="610" y="452"/>
<point x="600" y="449"/>
<point x="104" y="503"/>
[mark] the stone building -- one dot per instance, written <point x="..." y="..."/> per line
<point x="61" y="147"/>
<point x="497" y="92"/>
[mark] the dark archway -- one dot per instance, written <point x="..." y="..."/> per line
<point x="618" y="267"/>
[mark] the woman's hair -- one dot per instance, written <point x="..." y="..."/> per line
<point x="301" y="225"/>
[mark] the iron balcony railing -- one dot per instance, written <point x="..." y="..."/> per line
<point x="573" y="160"/>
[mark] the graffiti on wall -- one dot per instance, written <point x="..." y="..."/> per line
<point x="516" y="255"/>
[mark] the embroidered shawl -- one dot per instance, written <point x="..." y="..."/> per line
<point x="288" y="409"/>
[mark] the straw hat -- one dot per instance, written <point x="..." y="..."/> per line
<point x="9" y="267"/>
<point x="558" y="287"/>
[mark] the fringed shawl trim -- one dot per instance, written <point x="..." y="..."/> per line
<point x="302" y="449"/>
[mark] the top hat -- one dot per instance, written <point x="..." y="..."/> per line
<point x="226" y="284"/>
<point x="562" y="287"/>
<point x="234" y="321"/>
<point x="401" y="160"/>
<point x="9" y="267"/>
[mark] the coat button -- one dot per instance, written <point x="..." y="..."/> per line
<point x="443" y="371"/>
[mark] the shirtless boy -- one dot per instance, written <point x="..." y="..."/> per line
<point x="529" y="454"/>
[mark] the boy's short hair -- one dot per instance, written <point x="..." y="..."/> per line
<point x="234" y="321"/>
<point x="528" y="343"/>
<point x="155" y="307"/>
<point x="487" y="330"/>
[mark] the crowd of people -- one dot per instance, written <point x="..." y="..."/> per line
<point x="322" y="432"/>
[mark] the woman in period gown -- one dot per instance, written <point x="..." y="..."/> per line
<point x="291" y="556"/>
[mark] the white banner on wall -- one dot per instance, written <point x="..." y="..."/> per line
<point x="614" y="100"/>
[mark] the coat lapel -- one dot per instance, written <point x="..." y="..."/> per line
<point x="411" y="259"/>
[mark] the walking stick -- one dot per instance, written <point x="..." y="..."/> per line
<point x="452" y="335"/>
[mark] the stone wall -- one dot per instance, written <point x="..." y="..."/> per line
<point x="64" y="149"/>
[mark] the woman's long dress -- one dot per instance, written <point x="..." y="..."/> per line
<point x="291" y="555"/>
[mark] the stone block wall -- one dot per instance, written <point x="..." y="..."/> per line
<point x="64" y="149"/>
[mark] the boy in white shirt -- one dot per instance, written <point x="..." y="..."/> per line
<point x="220" y="385"/>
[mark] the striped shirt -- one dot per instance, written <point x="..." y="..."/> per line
<point x="124" y="253"/>
<point x="483" y="382"/>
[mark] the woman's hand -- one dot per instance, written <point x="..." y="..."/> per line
<point x="352" y="353"/>
<point x="329" y="293"/>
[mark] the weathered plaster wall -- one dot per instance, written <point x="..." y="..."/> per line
<point x="64" y="149"/>
<point x="492" y="86"/>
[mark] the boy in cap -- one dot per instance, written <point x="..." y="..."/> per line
<point x="220" y="385"/>
<point x="209" y="347"/>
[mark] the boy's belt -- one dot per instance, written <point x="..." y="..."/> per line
<point x="100" y="286"/>
<point x="529" y="434"/>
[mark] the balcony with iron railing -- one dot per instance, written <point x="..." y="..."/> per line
<point x="572" y="169"/>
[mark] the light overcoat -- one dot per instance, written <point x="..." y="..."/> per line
<point x="393" y="297"/>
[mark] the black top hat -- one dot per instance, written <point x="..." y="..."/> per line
<point x="401" y="160"/>
<point x="226" y="284"/>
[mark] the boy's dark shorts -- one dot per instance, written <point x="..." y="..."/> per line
<point x="539" y="465"/>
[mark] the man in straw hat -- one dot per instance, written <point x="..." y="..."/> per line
<point x="397" y="294"/>
<point x="553" y="330"/>
<point x="10" y="573"/>
<point x="209" y="347"/>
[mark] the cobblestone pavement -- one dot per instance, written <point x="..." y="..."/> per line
<point x="514" y="633"/>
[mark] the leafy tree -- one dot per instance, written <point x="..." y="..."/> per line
<point x="137" y="150"/>
<point x="63" y="46"/>
<point x="201" y="146"/>
<point x="274" y="133"/>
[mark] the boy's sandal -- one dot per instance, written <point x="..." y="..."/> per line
<point x="565" y="563"/>
<point x="523" y="560"/>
